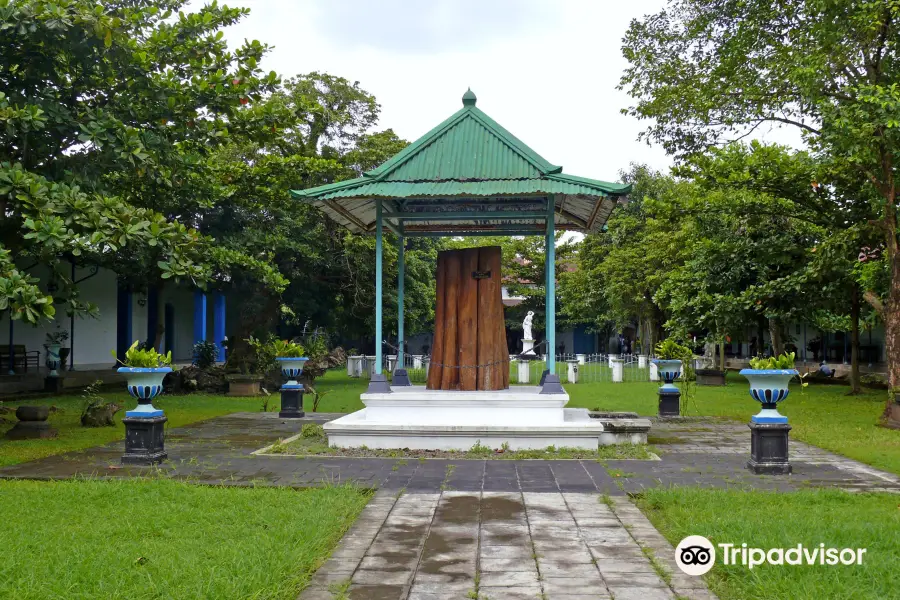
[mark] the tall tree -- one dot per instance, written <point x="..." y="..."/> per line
<point x="108" y="113"/>
<point x="706" y="71"/>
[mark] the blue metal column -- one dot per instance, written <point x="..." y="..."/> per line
<point x="401" y="275"/>
<point x="169" y="324"/>
<point x="378" y="275"/>
<point x="550" y="267"/>
<point x="219" y="323"/>
<point x="199" y="316"/>
<point x="124" y="316"/>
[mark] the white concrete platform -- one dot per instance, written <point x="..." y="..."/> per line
<point x="521" y="417"/>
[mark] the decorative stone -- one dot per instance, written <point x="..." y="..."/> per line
<point x="769" y="449"/>
<point x="240" y="384"/>
<point x="710" y="377"/>
<point x="144" y="440"/>
<point x="417" y="361"/>
<point x="573" y="371"/>
<point x="654" y="372"/>
<point x="524" y="371"/>
<point x="581" y="358"/>
<point x="32" y="424"/>
<point x="370" y="365"/>
<point x="618" y="370"/>
<point x="642" y="361"/>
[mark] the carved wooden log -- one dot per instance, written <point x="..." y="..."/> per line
<point x="437" y="347"/>
<point x="450" y="374"/>
<point x="469" y="322"/>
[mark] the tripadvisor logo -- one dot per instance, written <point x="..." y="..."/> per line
<point x="696" y="555"/>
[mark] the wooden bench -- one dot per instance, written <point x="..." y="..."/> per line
<point x="22" y="359"/>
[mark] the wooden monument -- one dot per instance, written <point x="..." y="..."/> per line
<point x="469" y="351"/>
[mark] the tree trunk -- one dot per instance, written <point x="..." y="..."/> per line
<point x="854" y="342"/>
<point x="722" y="354"/>
<point x="775" y="332"/>
<point x="491" y="322"/>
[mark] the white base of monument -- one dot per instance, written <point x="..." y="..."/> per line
<point x="419" y="419"/>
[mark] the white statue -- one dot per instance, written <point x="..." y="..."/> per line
<point x="526" y="325"/>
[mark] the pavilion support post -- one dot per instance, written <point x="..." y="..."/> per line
<point x="551" y="383"/>
<point x="400" y="376"/>
<point x="378" y="383"/>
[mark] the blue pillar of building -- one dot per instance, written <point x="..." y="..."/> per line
<point x="199" y="316"/>
<point x="124" y="318"/>
<point x="219" y="323"/>
<point x="169" y="324"/>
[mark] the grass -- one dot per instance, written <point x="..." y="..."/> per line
<point x="313" y="441"/>
<point x="156" y="538"/>
<point x="820" y="415"/>
<point x="180" y="410"/>
<point x="824" y="415"/>
<point x="776" y="520"/>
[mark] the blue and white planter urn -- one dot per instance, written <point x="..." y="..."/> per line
<point x="145" y="384"/>
<point x="292" y="368"/>
<point x="769" y="387"/>
<point x="669" y="370"/>
<point x="52" y="361"/>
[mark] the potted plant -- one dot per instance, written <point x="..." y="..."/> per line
<point x="53" y="346"/>
<point x="289" y="356"/>
<point x="769" y="379"/>
<point x="668" y="361"/>
<point x="247" y="365"/>
<point x="144" y="370"/>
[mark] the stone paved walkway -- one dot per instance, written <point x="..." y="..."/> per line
<point x="484" y="529"/>
<point x="502" y="546"/>
<point x="697" y="452"/>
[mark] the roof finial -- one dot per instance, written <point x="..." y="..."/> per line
<point x="469" y="98"/>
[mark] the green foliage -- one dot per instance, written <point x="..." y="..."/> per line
<point x="205" y="354"/>
<point x="785" y="361"/>
<point x="287" y="349"/>
<point x="312" y="430"/>
<point x="57" y="337"/>
<point x="146" y="358"/>
<point x="669" y="349"/>
<point x="259" y="361"/>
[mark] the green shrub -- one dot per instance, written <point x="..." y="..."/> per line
<point x="312" y="430"/>
<point x="205" y="354"/>
<point x="785" y="361"/>
<point x="144" y="358"/>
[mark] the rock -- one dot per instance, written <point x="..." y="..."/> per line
<point x="32" y="424"/>
<point x="100" y="414"/>
<point x="194" y="379"/>
<point x="32" y="413"/>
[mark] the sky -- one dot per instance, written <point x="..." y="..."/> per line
<point x="546" y="70"/>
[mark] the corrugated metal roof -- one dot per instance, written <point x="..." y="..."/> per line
<point x="469" y="155"/>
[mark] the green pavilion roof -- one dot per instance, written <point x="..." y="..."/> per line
<point x="469" y="164"/>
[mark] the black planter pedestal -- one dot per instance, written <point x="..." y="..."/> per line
<point x="669" y="403"/>
<point x="769" y="449"/>
<point x="292" y="403"/>
<point x="400" y="378"/>
<point x="53" y="385"/>
<point x="144" y="440"/>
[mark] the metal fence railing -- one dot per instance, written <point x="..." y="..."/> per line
<point x="571" y="368"/>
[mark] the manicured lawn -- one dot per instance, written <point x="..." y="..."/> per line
<point x="164" y="539"/>
<point x="775" y="520"/>
<point x="180" y="410"/>
<point x="821" y="415"/>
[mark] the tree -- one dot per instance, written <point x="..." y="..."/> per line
<point x="109" y="112"/>
<point x="707" y="70"/>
